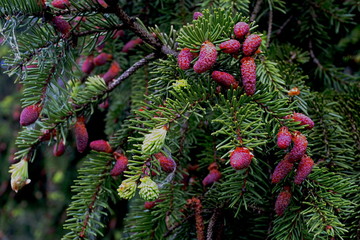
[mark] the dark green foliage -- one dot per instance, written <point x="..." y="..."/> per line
<point x="154" y="106"/>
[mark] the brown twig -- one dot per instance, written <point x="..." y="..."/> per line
<point x="130" y="71"/>
<point x="212" y="225"/>
<point x="284" y="25"/>
<point x="269" y="28"/>
<point x="256" y="10"/>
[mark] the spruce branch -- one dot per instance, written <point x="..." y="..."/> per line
<point x="138" y="30"/>
<point x="270" y="22"/>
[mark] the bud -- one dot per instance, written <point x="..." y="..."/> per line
<point x="101" y="146"/>
<point x="240" y="158"/>
<point x="224" y="79"/>
<point x="180" y="84"/>
<point x="294" y="91"/>
<point x="118" y="34"/>
<point x="207" y="57"/>
<point x="212" y="177"/>
<point x="230" y="46"/>
<point x="59" y="149"/>
<point x="184" y="58"/>
<point x="149" y="191"/>
<point x="131" y="44"/>
<point x="102" y="58"/>
<point x="61" y="25"/>
<point x="282" y="201"/>
<point x="19" y="174"/>
<point x="248" y="74"/>
<point x="299" y="148"/>
<point x="60" y="3"/>
<point x="154" y="141"/>
<point x="127" y="189"/>
<point x="305" y="166"/>
<point x="241" y="29"/>
<point x="120" y="165"/>
<point x="251" y="44"/>
<point x="81" y="134"/>
<point x="112" y="72"/>
<point x="167" y="164"/>
<point x="196" y="15"/>
<point x="303" y="119"/>
<point x="281" y="170"/>
<point x="149" y="205"/>
<point x="283" y="138"/>
<point x="102" y="3"/>
<point x="29" y="115"/>
<point x="88" y="65"/>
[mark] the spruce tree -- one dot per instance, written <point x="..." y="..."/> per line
<point x="190" y="119"/>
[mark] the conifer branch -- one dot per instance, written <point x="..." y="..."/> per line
<point x="138" y="30"/>
<point x="94" y="31"/>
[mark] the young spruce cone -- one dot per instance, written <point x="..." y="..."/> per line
<point x="299" y="148"/>
<point x="120" y="164"/>
<point x="230" y="46"/>
<point x="241" y="158"/>
<point x="251" y="44"/>
<point x="29" y="115"/>
<point x="167" y="164"/>
<point x="281" y="170"/>
<point x="241" y="29"/>
<point x="207" y="57"/>
<point x="305" y="166"/>
<point x="282" y="201"/>
<point x="248" y="74"/>
<point x="184" y="59"/>
<point x="283" y="138"/>
<point x="81" y="135"/>
<point x="224" y="79"/>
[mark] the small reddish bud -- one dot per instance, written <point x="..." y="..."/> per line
<point x="299" y="148"/>
<point x="118" y="34"/>
<point x="60" y="3"/>
<point x="102" y="58"/>
<point x="304" y="120"/>
<point x="251" y="44"/>
<point x="120" y="165"/>
<point x="105" y="104"/>
<point x="282" y="202"/>
<point x="248" y="74"/>
<point x="283" y="138"/>
<point x="294" y="91"/>
<point x="61" y="25"/>
<point x="59" y="149"/>
<point x="230" y="46"/>
<point x="241" y="158"/>
<point x="212" y="177"/>
<point x="81" y="135"/>
<point x="47" y="134"/>
<point x="196" y="15"/>
<point x="101" y="146"/>
<point x="29" y="115"/>
<point x="207" y="57"/>
<point x="103" y="3"/>
<point x="112" y="72"/>
<point x="184" y="59"/>
<point x="88" y="65"/>
<point x="213" y="166"/>
<point x="281" y="170"/>
<point x="167" y="164"/>
<point x="241" y="29"/>
<point x="305" y="166"/>
<point x="131" y="44"/>
<point x="224" y="79"/>
<point x="100" y="44"/>
<point x="149" y="205"/>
